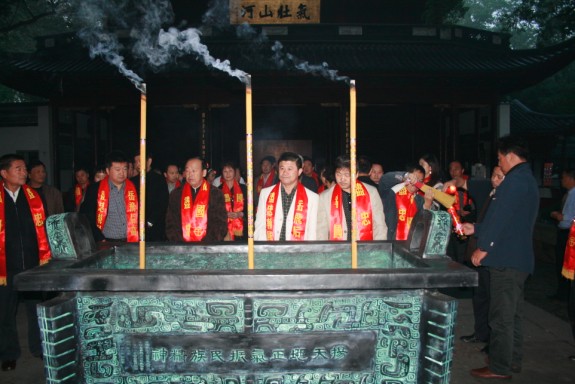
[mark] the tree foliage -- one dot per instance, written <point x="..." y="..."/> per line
<point x="22" y="20"/>
<point x="552" y="21"/>
<point x="443" y="11"/>
<point x="532" y="23"/>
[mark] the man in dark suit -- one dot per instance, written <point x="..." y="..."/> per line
<point x="196" y="209"/>
<point x="23" y="245"/>
<point x="505" y="247"/>
<point x="156" y="199"/>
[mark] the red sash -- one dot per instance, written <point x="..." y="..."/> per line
<point x="130" y="201"/>
<point x="406" y="210"/>
<point x="195" y="216"/>
<point x="315" y="177"/>
<point x="299" y="215"/>
<point x="458" y="204"/>
<point x="78" y="194"/>
<point x="39" y="218"/>
<point x="568" y="270"/>
<point x="176" y="184"/>
<point x="363" y="213"/>
<point x="268" y="183"/>
<point x="235" y="226"/>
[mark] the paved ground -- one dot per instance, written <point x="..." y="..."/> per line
<point x="548" y="340"/>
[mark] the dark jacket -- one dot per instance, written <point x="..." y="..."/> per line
<point x="506" y="232"/>
<point x="88" y="208"/>
<point x="21" y="240"/>
<point x="217" y="216"/>
<point x="156" y="205"/>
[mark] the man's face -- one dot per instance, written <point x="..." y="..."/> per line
<point x="504" y="162"/>
<point x="15" y="176"/>
<point x="194" y="173"/>
<point x="567" y="181"/>
<point x="82" y="177"/>
<point x="137" y="164"/>
<point x="266" y="167"/>
<point x="375" y="173"/>
<point x="497" y="177"/>
<point x="343" y="179"/>
<point x="38" y="174"/>
<point x="289" y="172"/>
<point x="307" y="168"/>
<point x="228" y="173"/>
<point x="455" y="169"/>
<point x="416" y="176"/>
<point x="132" y="171"/>
<point x="118" y="173"/>
<point x="172" y="174"/>
<point x="99" y="176"/>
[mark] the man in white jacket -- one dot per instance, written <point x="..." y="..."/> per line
<point x="287" y="211"/>
<point x="334" y="212"/>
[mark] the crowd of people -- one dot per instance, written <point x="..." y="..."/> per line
<point x="294" y="201"/>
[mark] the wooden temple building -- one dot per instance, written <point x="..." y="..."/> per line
<point x="420" y="89"/>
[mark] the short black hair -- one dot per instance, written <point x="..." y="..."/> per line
<point x="7" y="160"/>
<point x="81" y="168"/>
<point x="514" y="144"/>
<point x="269" y="158"/>
<point x="363" y="164"/>
<point x="569" y="172"/>
<point x="342" y="161"/>
<point x="205" y="164"/>
<point x="410" y="168"/>
<point x="35" y="163"/>
<point x="116" y="157"/>
<point x="229" y="163"/>
<point x="307" y="158"/>
<point x="291" y="156"/>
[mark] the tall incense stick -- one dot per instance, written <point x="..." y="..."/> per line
<point x="250" y="175"/>
<point x="352" y="155"/>
<point x="143" y="163"/>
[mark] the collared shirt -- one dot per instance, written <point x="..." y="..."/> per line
<point x="116" y="226"/>
<point x="13" y="195"/>
<point x="568" y="210"/>
<point x="286" y="204"/>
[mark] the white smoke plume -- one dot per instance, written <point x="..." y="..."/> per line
<point x="285" y="60"/>
<point x="176" y="43"/>
<point x="95" y="16"/>
<point x="150" y="42"/>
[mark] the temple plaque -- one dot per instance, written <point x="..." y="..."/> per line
<point x="275" y="11"/>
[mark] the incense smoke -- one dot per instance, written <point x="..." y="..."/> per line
<point x="150" y="42"/>
<point x="286" y="59"/>
<point x="156" y="42"/>
<point x="176" y="43"/>
<point x="102" y="43"/>
<point x="217" y="16"/>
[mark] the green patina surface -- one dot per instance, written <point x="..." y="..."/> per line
<point x="121" y="259"/>
<point x="370" y="338"/>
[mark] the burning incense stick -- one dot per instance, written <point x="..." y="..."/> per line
<point x="250" y="175"/>
<point x="143" y="162"/>
<point x="352" y="155"/>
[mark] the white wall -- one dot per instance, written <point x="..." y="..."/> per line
<point x="34" y="138"/>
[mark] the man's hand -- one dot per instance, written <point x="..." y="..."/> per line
<point x="477" y="256"/>
<point x="468" y="228"/>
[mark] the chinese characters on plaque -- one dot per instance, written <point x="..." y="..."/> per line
<point x="274" y="11"/>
